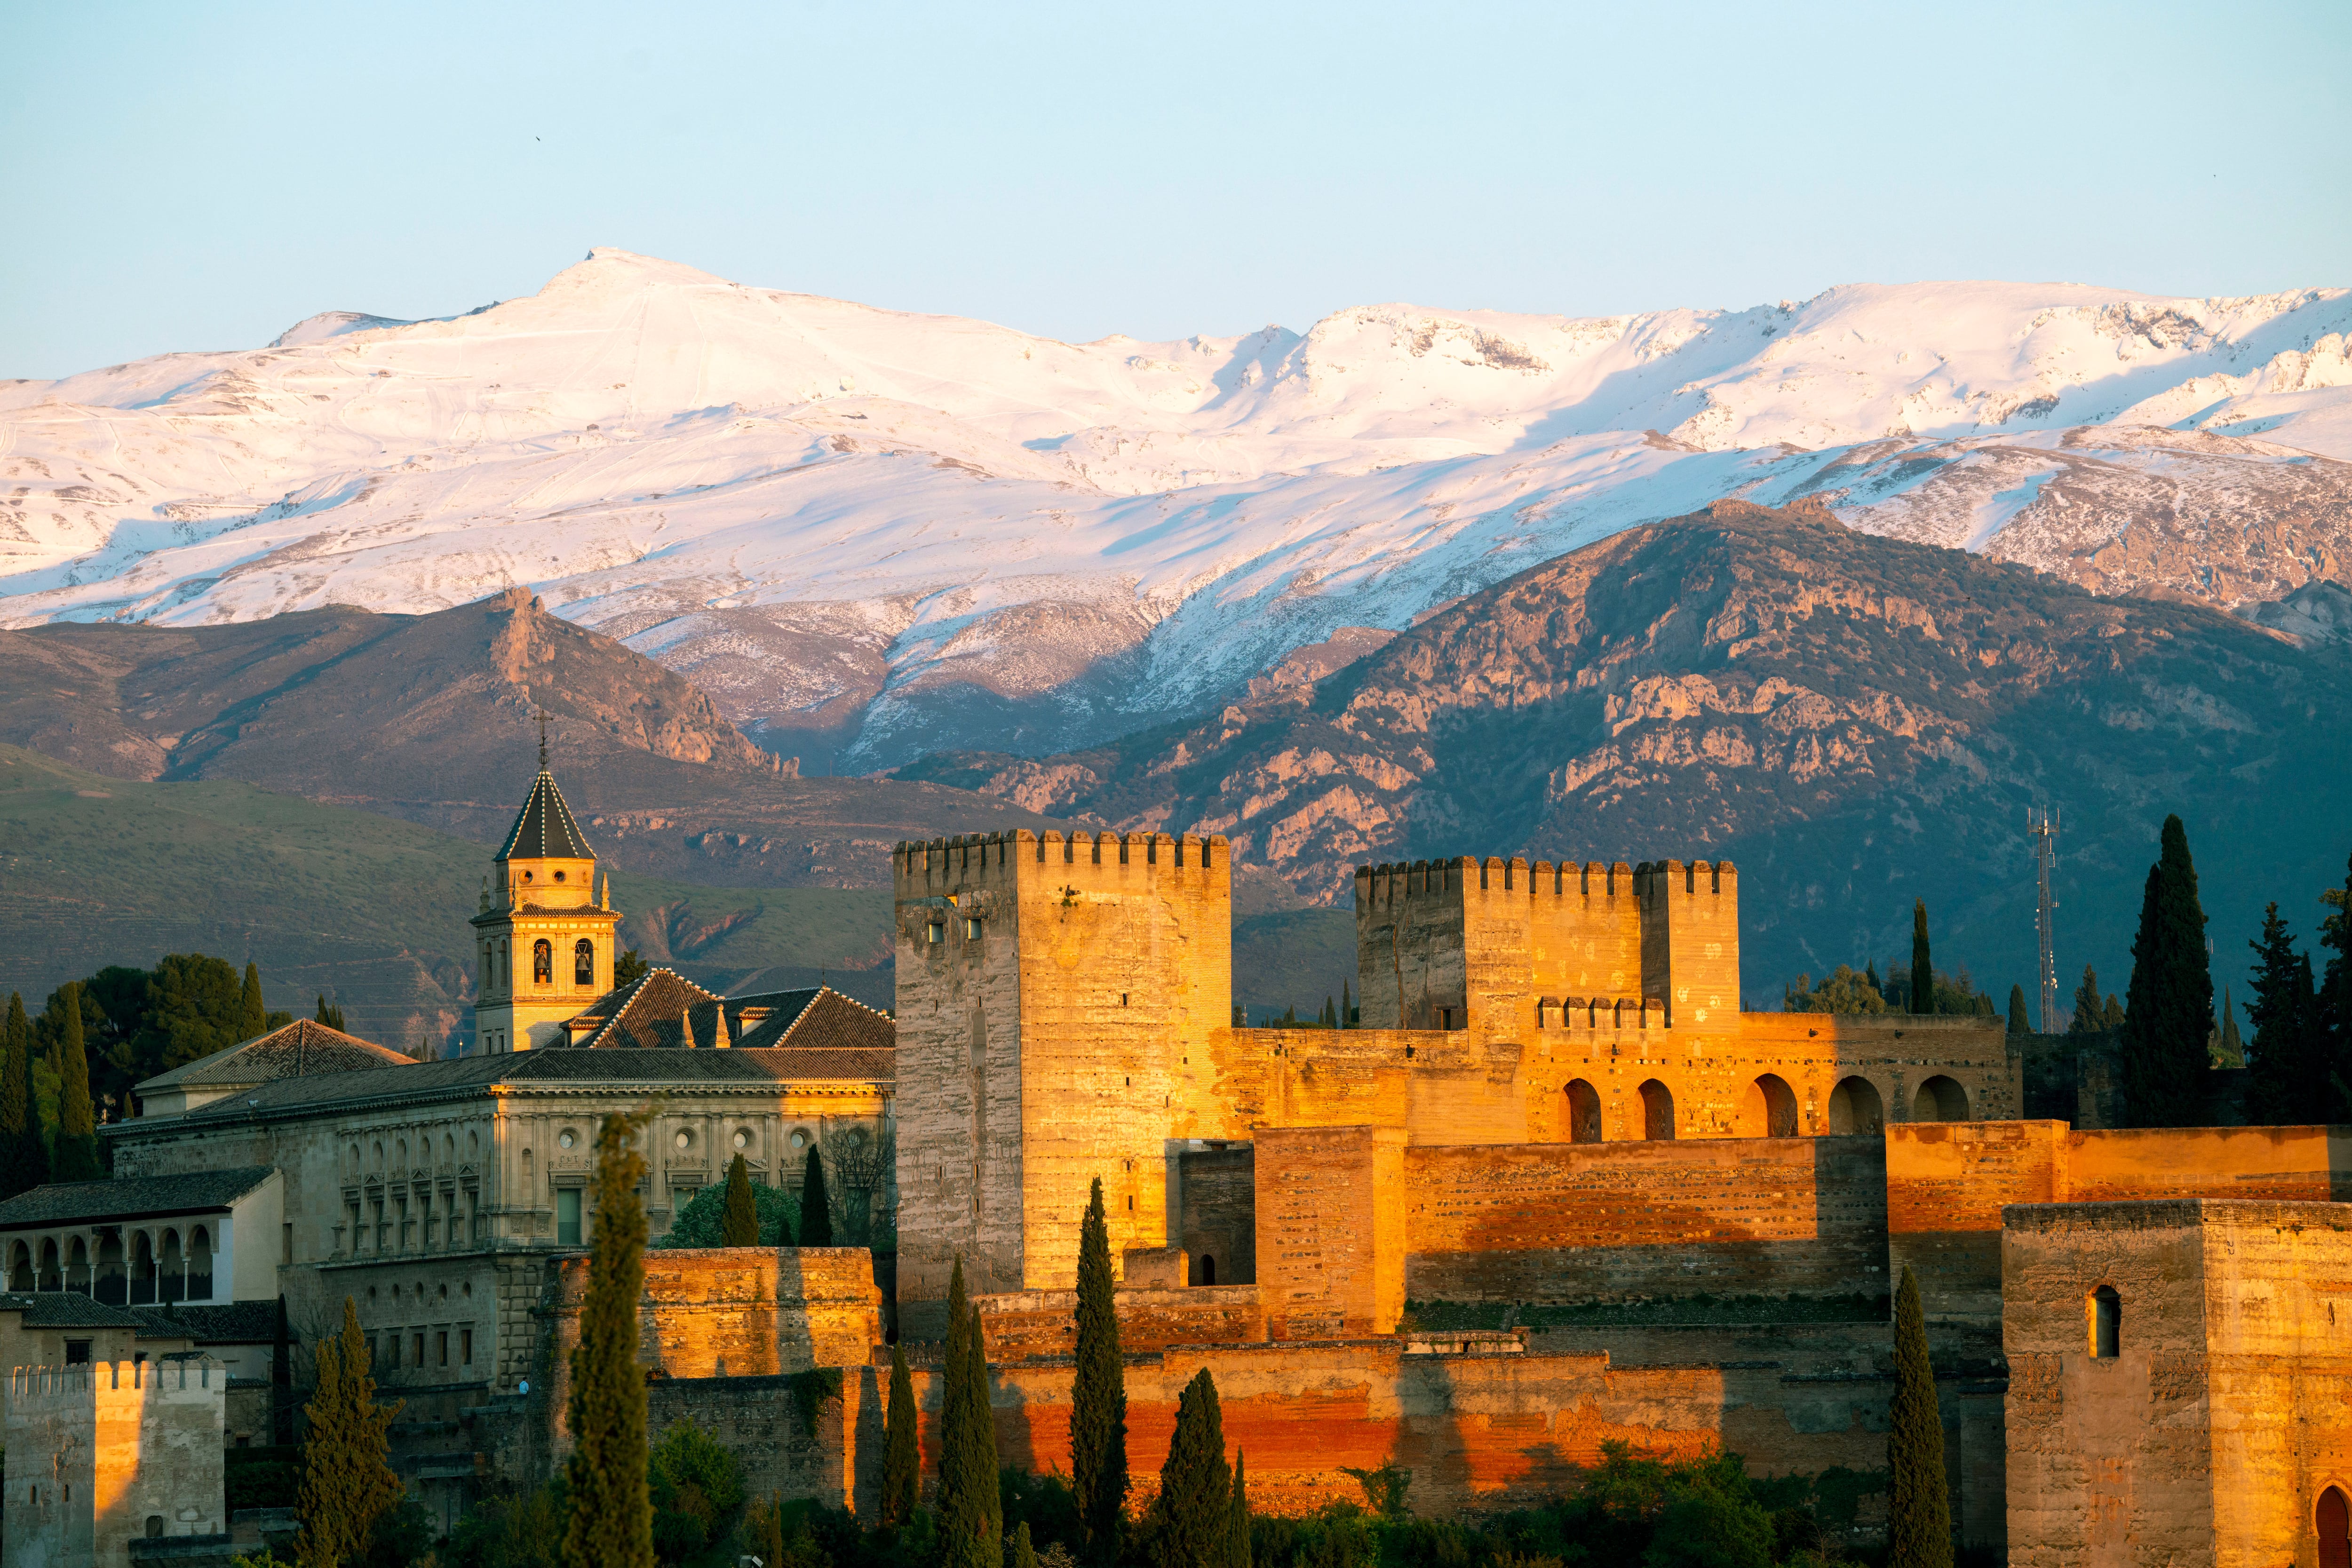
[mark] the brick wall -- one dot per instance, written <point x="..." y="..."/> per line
<point x="1948" y="1184"/>
<point x="1765" y="1217"/>
<point x="1332" y="1230"/>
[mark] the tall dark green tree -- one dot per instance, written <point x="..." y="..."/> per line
<point x="2230" y="1049"/>
<point x="329" y="1015"/>
<point x="816" y="1205"/>
<point x="2090" y="1016"/>
<point x="1347" y="1007"/>
<point x="1025" y="1551"/>
<point x="1191" y="1515"/>
<point x="1923" y="966"/>
<point x="972" y="1514"/>
<point x="611" y="1522"/>
<point x="346" y="1485"/>
<point x="255" y="1012"/>
<point x="2288" y="1071"/>
<point x="1098" y="1395"/>
<point x="2169" y="1006"/>
<point x="740" y="1226"/>
<point x="1237" y="1521"/>
<point x="902" y="1454"/>
<point x="77" y="1151"/>
<point x="2335" y="991"/>
<point x="1918" y="1499"/>
<point x="2020" y="1022"/>
<point x="24" y="1155"/>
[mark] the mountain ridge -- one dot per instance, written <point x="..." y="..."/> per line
<point x="870" y="533"/>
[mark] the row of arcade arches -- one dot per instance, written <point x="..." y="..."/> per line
<point x="160" y="1265"/>
<point x="1769" y="1109"/>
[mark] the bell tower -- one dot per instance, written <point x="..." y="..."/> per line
<point x="543" y="941"/>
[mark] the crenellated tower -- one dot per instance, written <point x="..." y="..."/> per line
<point x="544" y="938"/>
<point x="1057" y="996"/>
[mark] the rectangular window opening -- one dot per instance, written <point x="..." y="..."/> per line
<point x="465" y="1346"/>
<point x="567" y="1216"/>
<point x="972" y="928"/>
<point x="441" y="1346"/>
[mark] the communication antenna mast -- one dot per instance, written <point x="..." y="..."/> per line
<point x="2044" y="829"/>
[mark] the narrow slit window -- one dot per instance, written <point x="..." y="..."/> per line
<point x="2106" y="1324"/>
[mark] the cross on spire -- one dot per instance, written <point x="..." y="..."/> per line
<point x="542" y="739"/>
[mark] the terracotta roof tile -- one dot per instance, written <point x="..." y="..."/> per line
<point x="302" y="1048"/>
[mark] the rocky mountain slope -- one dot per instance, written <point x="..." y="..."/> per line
<point x="869" y="535"/>
<point x="430" y="718"/>
<point x="1855" y="721"/>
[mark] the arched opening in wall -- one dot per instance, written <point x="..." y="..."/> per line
<point x="1769" y="1110"/>
<point x="77" y="1268"/>
<point x="1204" y="1270"/>
<point x="20" y="1268"/>
<point x="110" y="1287"/>
<point x="2334" y="1519"/>
<point x="1583" y="1113"/>
<point x="1855" y="1107"/>
<point x="200" y="1265"/>
<point x="50" y="1279"/>
<point x="142" y="1271"/>
<point x="583" y="962"/>
<point x="2106" y="1324"/>
<point x="543" y="963"/>
<point x="170" y="1270"/>
<point x="1940" y="1098"/>
<point x="1657" y="1110"/>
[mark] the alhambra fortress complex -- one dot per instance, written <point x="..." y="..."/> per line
<point x="1556" y="1189"/>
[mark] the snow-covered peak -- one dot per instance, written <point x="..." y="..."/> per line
<point x="825" y="508"/>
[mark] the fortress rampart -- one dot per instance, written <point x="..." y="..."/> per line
<point x="104" y="1453"/>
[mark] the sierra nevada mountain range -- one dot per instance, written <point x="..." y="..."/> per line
<point x="868" y="535"/>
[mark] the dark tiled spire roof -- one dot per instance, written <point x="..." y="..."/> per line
<point x="545" y="828"/>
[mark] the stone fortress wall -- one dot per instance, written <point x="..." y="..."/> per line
<point x="134" y="1449"/>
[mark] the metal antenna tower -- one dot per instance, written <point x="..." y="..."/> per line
<point x="2044" y="829"/>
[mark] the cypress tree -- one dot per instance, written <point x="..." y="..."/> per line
<point x="902" y="1455"/>
<point x="772" y="1530"/>
<point x="972" y="1516"/>
<point x="1025" y="1554"/>
<point x="2229" y="1051"/>
<point x="1923" y="967"/>
<point x="2169" y="1006"/>
<point x="611" y="1521"/>
<point x="24" y="1159"/>
<point x="739" y="1226"/>
<point x="2288" y="1072"/>
<point x="346" y="1486"/>
<point x="77" y="1119"/>
<point x="816" y="1208"/>
<point x="2088" y="1014"/>
<point x="255" y="1021"/>
<point x="2332" y="1010"/>
<point x="1192" y="1510"/>
<point x="1870" y="973"/>
<point x="1919" y="1505"/>
<point x="1098" y="1395"/>
<point x="1237" y="1521"/>
<point x="1347" y="1007"/>
<point x="330" y="1017"/>
<point x="2019" y="1024"/>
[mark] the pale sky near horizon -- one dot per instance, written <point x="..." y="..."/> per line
<point x="180" y="177"/>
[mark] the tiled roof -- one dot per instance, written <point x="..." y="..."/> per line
<point x="661" y="1009"/>
<point x="67" y="1310"/>
<point x="302" y="1048"/>
<point x="545" y="827"/>
<point x="816" y="1018"/>
<point x="128" y="1197"/>
<point x="237" y="1322"/>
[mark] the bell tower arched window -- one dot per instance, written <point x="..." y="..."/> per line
<point x="543" y="963"/>
<point x="583" y="962"/>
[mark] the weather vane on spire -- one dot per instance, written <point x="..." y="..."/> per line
<point x="543" y="737"/>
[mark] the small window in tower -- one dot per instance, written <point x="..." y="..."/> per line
<point x="583" y="962"/>
<point x="938" y="931"/>
<point x="972" y="928"/>
<point x="2106" y="1324"/>
<point x="559" y="875"/>
<point x="543" y="963"/>
<point x="526" y="875"/>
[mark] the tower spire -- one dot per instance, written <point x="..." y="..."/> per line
<point x="543" y="737"/>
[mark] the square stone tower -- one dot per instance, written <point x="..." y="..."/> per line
<point x="1057" y="1000"/>
<point x="543" y="945"/>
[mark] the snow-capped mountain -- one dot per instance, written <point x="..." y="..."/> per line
<point x="871" y="534"/>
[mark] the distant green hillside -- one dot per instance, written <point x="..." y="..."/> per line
<point x="366" y="908"/>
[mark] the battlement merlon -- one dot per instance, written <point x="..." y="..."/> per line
<point x="36" y="1387"/>
<point x="1466" y="944"/>
<point x="938" y="866"/>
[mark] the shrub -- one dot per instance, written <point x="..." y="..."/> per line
<point x="702" y="1222"/>
<point x="698" y="1491"/>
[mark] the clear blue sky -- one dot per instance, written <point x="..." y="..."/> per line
<point x="202" y="176"/>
